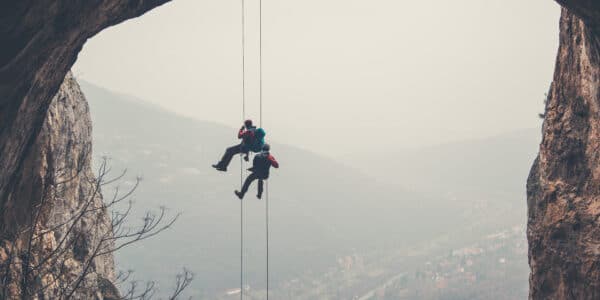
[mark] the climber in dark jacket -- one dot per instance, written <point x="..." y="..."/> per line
<point x="260" y="170"/>
<point x="252" y="140"/>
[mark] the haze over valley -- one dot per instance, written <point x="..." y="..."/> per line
<point x="324" y="214"/>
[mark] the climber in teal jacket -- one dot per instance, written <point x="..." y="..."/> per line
<point x="252" y="140"/>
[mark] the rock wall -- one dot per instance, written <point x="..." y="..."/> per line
<point x="45" y="149"/>
<point x="40" y="40"/>
<point x="563" y="189"/>
<point x="60" y="196"/>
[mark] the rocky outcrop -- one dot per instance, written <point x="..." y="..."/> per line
<point x="40" y="40"/>
<point x="45" y="174"/>
<point x="563" y="189"/>
<point x="60" y="196"/>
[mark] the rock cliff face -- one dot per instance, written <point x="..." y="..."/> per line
<point x="40" y="40"/>
<point x="563" y="188"/>
<point x="57" y="187"/>
<point x="45" y="175"/>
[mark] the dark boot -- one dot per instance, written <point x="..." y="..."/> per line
<point x="219" y="167"/>
<point x="259" y="196"/>
<point x="246" y="158"/>
<point x="239" y="194"/>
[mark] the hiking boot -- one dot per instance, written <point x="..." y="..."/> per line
<point x="240" y="195"/>
<point x="219" y="168"/>
<point x="259" y="196"/>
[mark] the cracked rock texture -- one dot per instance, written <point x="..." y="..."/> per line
<point x="563" y="189"/>
<point x="45" y="146"/>
<point x="57" y="185"/>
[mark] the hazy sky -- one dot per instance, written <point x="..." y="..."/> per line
<point x="340" y="76"/>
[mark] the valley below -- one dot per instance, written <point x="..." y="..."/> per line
<point x="336" y="231"/>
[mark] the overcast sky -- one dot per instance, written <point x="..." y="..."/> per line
<point x="340" y="76"/>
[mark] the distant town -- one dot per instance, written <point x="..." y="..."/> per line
<point x="495" y="264"/>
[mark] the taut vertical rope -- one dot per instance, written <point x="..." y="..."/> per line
<point x="261" y="122"/>
<point x="267" y="228"/>
<point x="260" y="88"/>
<point x="241" y="159"/>
<point x="241" y="156"/>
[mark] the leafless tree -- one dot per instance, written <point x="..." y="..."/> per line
<point x="42" y="257"/>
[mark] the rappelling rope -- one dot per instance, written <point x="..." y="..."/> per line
<point x="260" y="74"/>
<point x="241" y="159"/>
<point x="260" y="88"/>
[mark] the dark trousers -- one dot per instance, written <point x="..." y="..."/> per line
<point x="230" y="152"/>
<point x="249" y="179"/>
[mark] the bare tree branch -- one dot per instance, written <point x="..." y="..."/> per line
<point x="44" y="266"/>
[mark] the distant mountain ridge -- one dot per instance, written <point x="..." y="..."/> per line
<point x="485" y="163"/>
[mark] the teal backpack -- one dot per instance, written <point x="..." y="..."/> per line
<point x="259" y="140"/>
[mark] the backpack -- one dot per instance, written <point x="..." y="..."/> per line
<point x="261" y="165"/>
<point x="259" y="140"/>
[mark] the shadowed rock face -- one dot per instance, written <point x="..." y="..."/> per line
<point x="57" y="181"/>
<point x="45" y="139"/>
<point x="40" y="40"/>
<point x="563" y="189"/>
